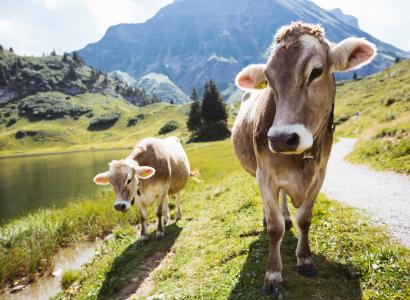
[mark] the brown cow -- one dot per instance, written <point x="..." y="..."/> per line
<point x="283" y="132"/>
<point x="155" y="169"/>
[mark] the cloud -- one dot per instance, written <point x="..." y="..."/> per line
<point x="38" y="26"/>
<point x="33" y="27"/>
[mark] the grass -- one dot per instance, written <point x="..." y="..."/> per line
<point x="69" y="134"/>
<point x="376" y="104"/>
<point x="219" y="249"/>
<point x="69" y="277"/>
<point x="28" y="244"/>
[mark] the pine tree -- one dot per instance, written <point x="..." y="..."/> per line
<point x="65" y="57"/>
<point x="53" y="53"/>
<point x="194" y="122"/>
<point x="355" y="77"/>
<point x="213" y="113"/>
<point x="397" y="60"/>
<point x="11" y="49"/>
<point x="77" y="58"/>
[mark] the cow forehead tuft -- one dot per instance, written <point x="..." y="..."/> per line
<point x="116" y="164"/>
<point x="290" y="33"/>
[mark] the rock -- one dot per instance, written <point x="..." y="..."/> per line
<point x="18" y="288"/>
<point x="57" y="273"/>
<point x="156" y="297"/>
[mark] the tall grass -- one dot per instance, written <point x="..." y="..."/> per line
<point x="28" y="244"/>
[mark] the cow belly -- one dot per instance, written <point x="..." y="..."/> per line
<point x="243" y="146"/>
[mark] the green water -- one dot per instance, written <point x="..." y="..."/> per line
<point x="30" y="183"/>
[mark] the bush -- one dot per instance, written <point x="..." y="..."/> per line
<point x="168" y="127"/>
<point x="341" y="119"/>
<point x="134" y="120"/>
<point x="104" y="121"/>
<point x="68" y="278"/>
<point x="46" y="107"/>
<point x="11" y="122"/>
<point x="23" y="133"/>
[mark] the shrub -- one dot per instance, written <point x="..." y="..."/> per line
<point x="168" y="127"/>
<point x="11" y="122"/>
<point x="104" y="121"/>
<point x="341" y="119"/>
<point x="68" y="278"/>
<point x="46" y="107"/>
<point x="134" y="120"/>
<point x="23" y="133"/>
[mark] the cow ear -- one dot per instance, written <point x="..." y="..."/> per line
<point x="251" y="77"/>
<point x="144" y="172"/>
<point x="102" y="179"/>
<point x="352" y="53"/>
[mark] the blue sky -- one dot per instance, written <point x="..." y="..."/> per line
<point x="32" y="27"/>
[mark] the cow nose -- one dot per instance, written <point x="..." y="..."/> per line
<point x="119" y="207"/>
<point x="284" y="142"/>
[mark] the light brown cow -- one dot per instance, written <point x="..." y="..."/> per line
<point x="283" y="132"/>
<point x="155" y="169"/>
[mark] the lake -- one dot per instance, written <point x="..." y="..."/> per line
<point x="32" y="182"/>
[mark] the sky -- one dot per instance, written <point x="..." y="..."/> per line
<point x="34" y="27"/>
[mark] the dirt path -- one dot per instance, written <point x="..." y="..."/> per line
<point x="385" y="195"/>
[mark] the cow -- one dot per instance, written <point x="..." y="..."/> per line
<point x="155" y="169"/>
<point x="283" y="132"/>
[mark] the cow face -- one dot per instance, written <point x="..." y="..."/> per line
<point x="124" y="176"/>
<point x="299" y="74"/>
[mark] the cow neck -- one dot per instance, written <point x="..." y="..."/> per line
<point x="328" y="126"/>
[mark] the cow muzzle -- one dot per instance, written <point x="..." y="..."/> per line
<point x="122" y="205"/>
<point x="289" y="139"/>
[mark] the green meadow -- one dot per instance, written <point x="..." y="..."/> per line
<point x="376" y="110"/>
<point x="217" y="251"/>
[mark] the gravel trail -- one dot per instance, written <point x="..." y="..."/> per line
<point x="384" y="195"/>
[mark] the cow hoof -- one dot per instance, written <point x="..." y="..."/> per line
<point x="143" y="239"/>
<point x="273" y="289"/>
<point x="166" y="220"/>
<point x="288" y="224"/>
<point x="272" y="285"/>
<point x="159" y="235"/>
<point x="265" y="225"/>
<point x="307" y="270"/>
<point x="178" y="218"/>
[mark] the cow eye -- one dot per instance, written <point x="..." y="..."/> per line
<point x="316" y="72"/>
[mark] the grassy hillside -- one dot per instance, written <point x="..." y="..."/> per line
<point x="57" y="122"/>
<point x="21" y="76"/>
<point x="376" y="109"/>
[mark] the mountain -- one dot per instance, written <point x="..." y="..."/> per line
<point x="191" y="41"/>
<point x="348" y="19"/>
<point x="21" y="76"/>
<point x="155" y="84"/>
<point x="162" y="87"/>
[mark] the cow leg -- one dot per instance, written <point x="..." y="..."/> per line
<point x="275" y="228"/>
<point x="178" y="200"/>
<point x="304" y="265"/>
<point x="160" y="207"/>
<point x="143" y="216"/>
<point x="285" y="210"/>
<point x="166" y="210"/>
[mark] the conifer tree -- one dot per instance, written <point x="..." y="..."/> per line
<point x="213" y="113"/>
<point x="194" y="122"/>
